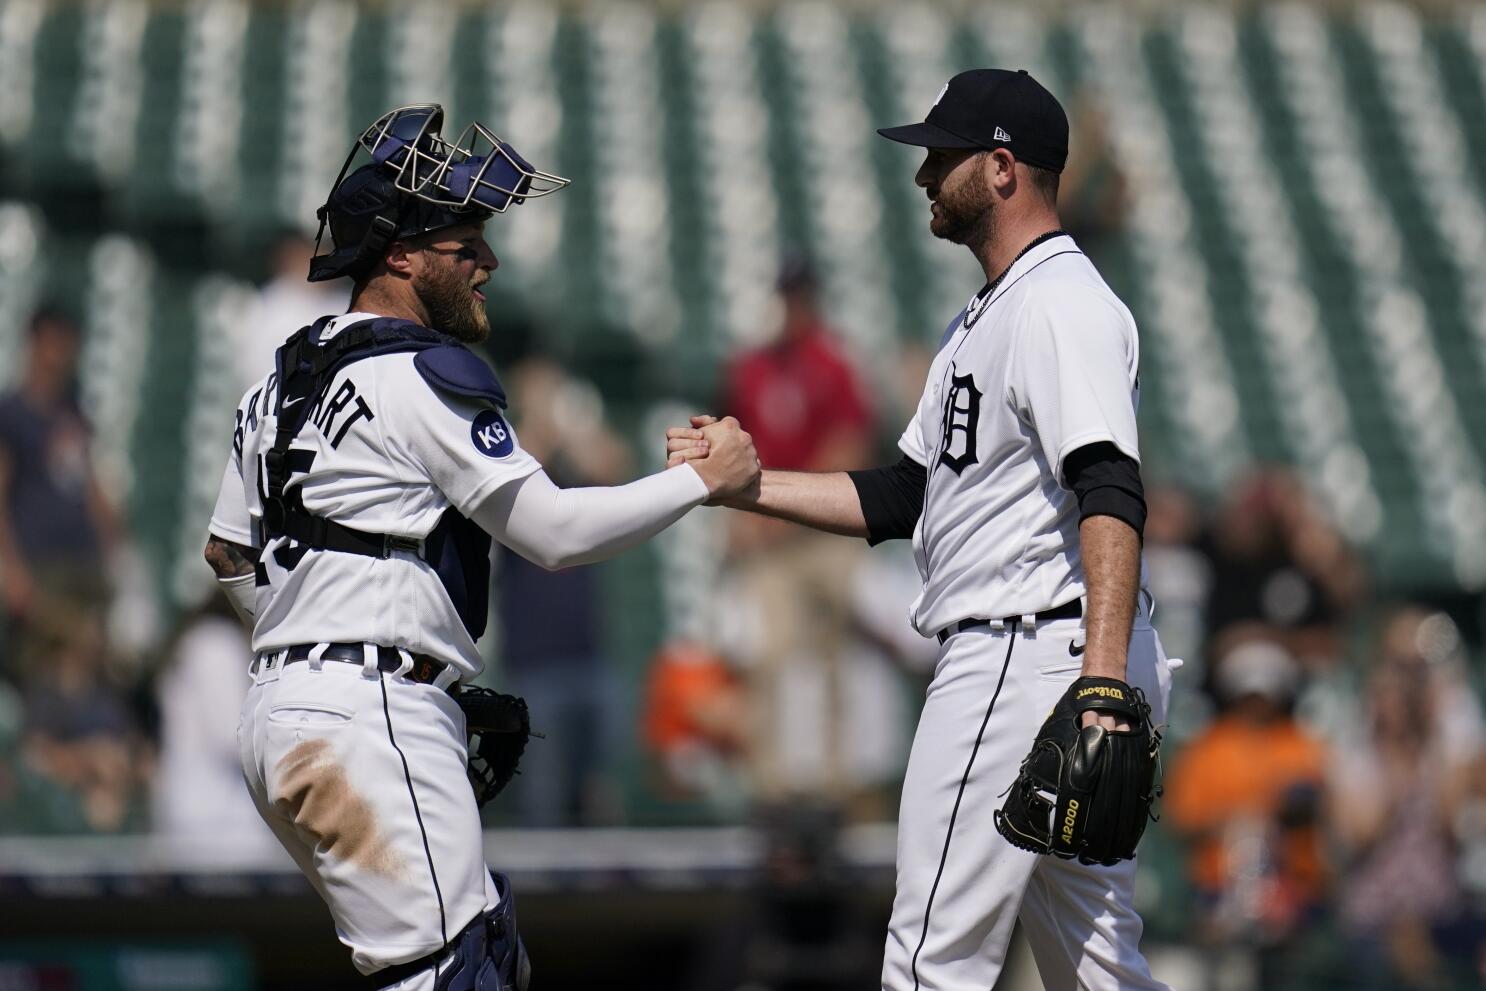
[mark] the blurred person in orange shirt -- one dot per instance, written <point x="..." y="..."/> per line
<point x="1245" y="795"/>
<point x="695" y="725"/>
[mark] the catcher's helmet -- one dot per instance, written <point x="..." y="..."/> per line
<point x="417" y="182"/>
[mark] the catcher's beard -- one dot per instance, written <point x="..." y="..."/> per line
<point x="451" y="304"/>
<point x="967" y="212"/>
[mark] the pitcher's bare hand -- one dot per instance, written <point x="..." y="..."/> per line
<point x="731" y="464"/>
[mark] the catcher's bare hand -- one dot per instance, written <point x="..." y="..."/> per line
<point x="685" y="444"/>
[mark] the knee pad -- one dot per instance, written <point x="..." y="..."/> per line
<point x="488" y="954"/>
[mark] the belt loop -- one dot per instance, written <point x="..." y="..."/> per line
<point x="998" y="624"/>
<point x="405" y="656"/>
<point x="316" y="656"/>
<point x="370" y="658"/>
<point x="1029" y="624"/>
<point x="446" y="677"/>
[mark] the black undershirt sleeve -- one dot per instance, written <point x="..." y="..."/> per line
<point x="892" y="498"/>
<point x="1107" y="483"/>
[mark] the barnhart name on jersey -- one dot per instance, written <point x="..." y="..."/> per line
<point x="1044" y="364"/>
<point x="383" y="452"/>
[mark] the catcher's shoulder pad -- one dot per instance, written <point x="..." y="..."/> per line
<point x="458" y="370"/>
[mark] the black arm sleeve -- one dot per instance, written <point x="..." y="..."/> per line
<point x="892" y="498"/>
<point x="1107" y="483"/>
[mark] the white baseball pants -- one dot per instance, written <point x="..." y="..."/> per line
<point x="960" y="885"/>
<point x="361" y="776"/>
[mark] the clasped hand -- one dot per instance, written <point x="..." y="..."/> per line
<point x="720" y="451"/>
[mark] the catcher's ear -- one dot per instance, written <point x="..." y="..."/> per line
<point x="399" y="259"/>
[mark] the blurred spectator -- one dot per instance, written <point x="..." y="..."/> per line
<point x="1179" y="575"/>
<point x="1244" y="794"/>
<point x="199" y="792"/>
<point x="695" y="722"/>
<point x="1467" y="940"/>
<point x="1393" y="803"/>
<point x="285" y="303"/>
<point x="806" y="407"/>
<point x="1278" y="561"/>
<point x="552" y="623"/>
<point x="888" y="665"/>
<point x="798" y="394"/>
<point x="1093" y="197"/>
<point x="57" y="528"/>
<point x="79" y="732"/>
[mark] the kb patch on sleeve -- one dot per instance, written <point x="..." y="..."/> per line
<point x="491" y="436"/>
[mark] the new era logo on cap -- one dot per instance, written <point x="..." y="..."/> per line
<point x="1002" y="135"/>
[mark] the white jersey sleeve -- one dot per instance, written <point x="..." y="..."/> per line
<point x="466" y="448"/>
<point x="1073" y="374"/>
<point x="912" y="441"/>
<point x="231" y="518"/>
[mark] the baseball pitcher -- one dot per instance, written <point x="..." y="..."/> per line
<point x="1032" y="771"/>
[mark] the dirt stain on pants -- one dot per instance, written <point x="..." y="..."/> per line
<point x="314" y="792"/>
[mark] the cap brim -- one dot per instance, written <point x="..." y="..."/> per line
<point x="925" y="135"/>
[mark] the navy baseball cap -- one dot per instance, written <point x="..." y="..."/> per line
<point x="994" y="108"/>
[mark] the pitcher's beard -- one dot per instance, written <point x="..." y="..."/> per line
<point x="966" y="214"/>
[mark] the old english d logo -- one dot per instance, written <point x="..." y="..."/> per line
<point x="961" y="417"/>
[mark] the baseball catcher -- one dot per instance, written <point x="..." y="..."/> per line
<point x="369" y="470"/>
<point x="1086" y="792"/>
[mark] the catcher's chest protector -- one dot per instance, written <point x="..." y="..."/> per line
<point x="457" y="549"/>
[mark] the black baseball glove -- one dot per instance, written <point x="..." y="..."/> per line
<point x="1086" y="793"/>
<point x="498" y="726"/>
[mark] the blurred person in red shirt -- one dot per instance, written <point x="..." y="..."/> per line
<point x="807" y="409"/>
<point x="803" y="401"/>
<point x="1245" y="795"/>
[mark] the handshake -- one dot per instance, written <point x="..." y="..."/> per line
<point x="721" y="452"/>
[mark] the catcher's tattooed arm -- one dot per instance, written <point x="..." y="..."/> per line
<point x="234" y="564"/>
<point x="1111" y="556"/>
<point x="229" y="560"/>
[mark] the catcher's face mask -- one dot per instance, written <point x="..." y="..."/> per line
<point x="416" y="182"/>
<point x="478" y="170"/>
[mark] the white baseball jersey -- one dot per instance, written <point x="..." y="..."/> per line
<point x="1041" y="365"/>
<point x="387" y="454"/>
